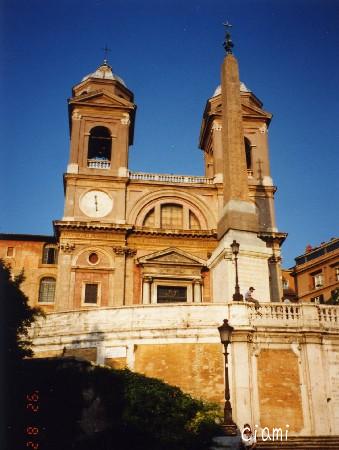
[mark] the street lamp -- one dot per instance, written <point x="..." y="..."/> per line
<point x="237" y="297"/>
<point x="230" y="428"/>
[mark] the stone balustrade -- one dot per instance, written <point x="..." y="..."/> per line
<point x="304" y="315"/>
<point x="185" y="320"/>
<point x="98" y="163"/>
<point x="329" y="316"/>
<point x="167" y="178"/>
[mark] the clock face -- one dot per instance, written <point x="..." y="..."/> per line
<point x="96" y="204"/>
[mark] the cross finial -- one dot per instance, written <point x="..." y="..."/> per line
<point x="228" y="44"/>
<point x="106" y="50"/>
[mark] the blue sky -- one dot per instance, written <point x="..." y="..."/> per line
<point x="169" y="54"/>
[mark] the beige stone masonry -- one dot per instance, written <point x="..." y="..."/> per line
<point x="239" y="212"/>
<point x="158" y="340"/>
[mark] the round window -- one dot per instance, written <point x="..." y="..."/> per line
<point x="93" y="258"/>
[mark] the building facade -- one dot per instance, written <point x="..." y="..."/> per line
<point x="316" y="273"/>
<point x="141" y="272"/>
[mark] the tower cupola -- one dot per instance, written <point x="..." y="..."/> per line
<point x="101" y="117"/>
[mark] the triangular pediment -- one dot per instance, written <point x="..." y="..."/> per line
<point x="101" y="98"/>
<point x="251" y="110"/>
<point x="171" y="256"/>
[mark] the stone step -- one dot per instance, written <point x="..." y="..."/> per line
<point x="292" y="443"/>
<point x="302" y="442"/>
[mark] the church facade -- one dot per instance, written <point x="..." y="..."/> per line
<point x="140" y="272"/>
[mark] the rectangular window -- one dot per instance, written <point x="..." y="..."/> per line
<point x="49" y="255"/>
<point x="285" y="284"/>
<point x="318" y="280"/>
<point x="171" y="294"/>
<point x="336" y="273"/>
<point x="10" y="252"/>
<point x="91" y="293"/>
<point x="47" y="290"/>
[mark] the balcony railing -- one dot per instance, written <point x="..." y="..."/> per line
<point x="300" y="315"/>
<point x="329" y="315"/>
<point x="269" y="312"/>
<point x="141" y="176"/>
<point x="98" y="163"/>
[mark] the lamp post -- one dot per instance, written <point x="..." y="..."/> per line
<point x="237" y="297"/>
<point x="230" y="428"/>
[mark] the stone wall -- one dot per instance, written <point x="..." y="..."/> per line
<point x="196" y="368"/>
<point x="283" y="365"/>
<point x="279" y="389"/>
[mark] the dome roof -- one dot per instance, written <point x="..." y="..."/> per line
<point x="105" y="73"/>
<point x="243" y="88"/>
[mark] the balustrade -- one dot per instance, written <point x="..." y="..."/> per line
<point x="328" y="315"/>
<point x="98" y="163"/>
<point x="301" y="315"/>
<point x="141" y="176"/>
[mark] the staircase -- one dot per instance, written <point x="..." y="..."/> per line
<point x="302" y="442"/>
<point x="292" y="443"/>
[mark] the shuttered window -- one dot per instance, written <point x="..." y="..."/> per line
<point x="171" y="216"/>
<point x="47" y="290"/>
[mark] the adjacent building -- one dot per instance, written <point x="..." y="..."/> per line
<point x="316" y="273"/>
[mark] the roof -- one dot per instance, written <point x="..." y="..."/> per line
<point x="104" y="72"/>
<point x="325" y="247"/>
<point x="243" y="88"/>
<point x="26" y="237"/>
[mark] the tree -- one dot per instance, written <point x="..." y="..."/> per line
<point x="334" y="299"/>
<point x="17" y="315"/>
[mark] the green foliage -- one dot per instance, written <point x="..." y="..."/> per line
<point x="85" y="407"/>
<point x="334" y="299"/>
<point x="18" y="315"/>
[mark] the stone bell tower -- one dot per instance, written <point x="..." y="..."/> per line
<point x="234" y="139"/>
<point x="101" y="118"/>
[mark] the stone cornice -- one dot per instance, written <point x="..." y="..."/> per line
<point x="124" y="251"/>
<point x="194" y="234"/>
<point x="273" y="236"/>
<point x="261" y="189"/>
<point x="95" y="177"/>
<point x="60" y="225"/>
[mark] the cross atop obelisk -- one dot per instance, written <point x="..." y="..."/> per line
<point x="228" y="44"/>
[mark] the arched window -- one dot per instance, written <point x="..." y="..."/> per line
<point x="149" y="220"/>
<point x="50" y="254"/>
<point x="171" y="216"/>
<point x="194" y="222"/>
<point x="248" y="151"/>
<point x="100" y="144"/>
<point x="47" y="290"/>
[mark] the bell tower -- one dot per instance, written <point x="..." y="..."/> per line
<point x="101" y="119"/>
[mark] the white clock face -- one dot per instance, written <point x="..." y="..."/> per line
<point x="96" y="204"/>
